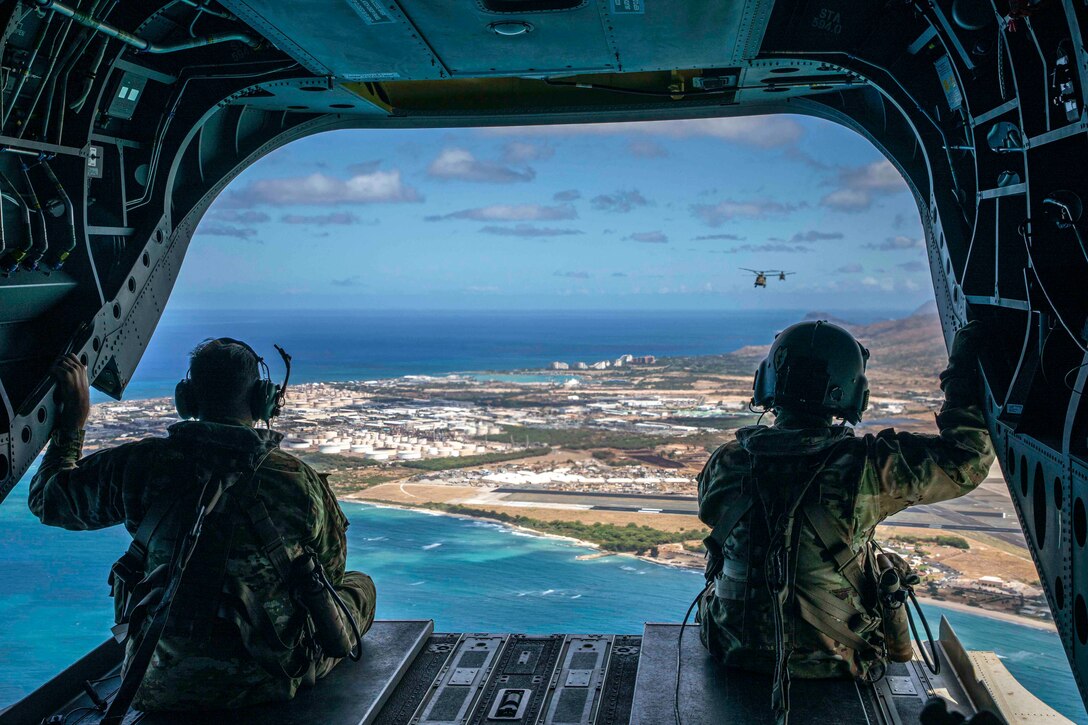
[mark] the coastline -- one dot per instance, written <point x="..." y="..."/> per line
<point x="1046" y="626"/>
<point x="598" y="553"/>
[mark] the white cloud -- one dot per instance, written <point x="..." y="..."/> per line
<point x="621" y="201"/>
<point x="646" y="149"/>
<point x="762" y="131"/>
<point x="373" y="188"/>
<point x="460" y="164"/>
<point x="858" y="186"/>
<point x="812" y="235"/>
<point x="520" y="152"/>
<point x="227" y="230"/>
<point x="848" y="200"/>
<point x="716" y="214"/>
<point x="528" y="230"/>
<point x="877" y="176"/>
<point x="770" y="247"/>
<point x="890" y="284"/>
<point x="511" y="213"/>
<point x="655" y="237"/>
<point x="321" y="220"/>
<point x="729" y="237"/>
<point x="896" y="243"/>
<point x="247" y="216"/>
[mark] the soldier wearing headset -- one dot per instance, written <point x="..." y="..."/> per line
<point x="236" y="629"/>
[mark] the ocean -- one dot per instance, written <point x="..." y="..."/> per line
<point x="337" y="345"/>
<point x="466" y="575"/>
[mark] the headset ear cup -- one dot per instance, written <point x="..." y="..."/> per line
<point x="760" y="395"/>
<point x="262" y="399"/>
<point x="185" y="400"/>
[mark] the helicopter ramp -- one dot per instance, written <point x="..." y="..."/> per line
<point x="408" y="674"/>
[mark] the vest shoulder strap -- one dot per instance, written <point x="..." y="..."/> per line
<point x="835" y="541"/>
<point x="731" y="518"/>
<point x="272" y="542"/>
<point x="715" y="541"/>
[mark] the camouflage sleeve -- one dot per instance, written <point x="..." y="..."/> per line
<point x="918" y="469"/>
<point x="329" y="537"/>
<point x="721" y="481"/>
<point x="74" y="493"/>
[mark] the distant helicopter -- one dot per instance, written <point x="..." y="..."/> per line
<point x="761" y="276"/>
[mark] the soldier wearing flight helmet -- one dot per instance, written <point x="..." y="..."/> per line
<point x="792" y="572"/>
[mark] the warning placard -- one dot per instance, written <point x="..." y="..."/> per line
<point x="628" y="7"/>
<point x="370" y="11"/>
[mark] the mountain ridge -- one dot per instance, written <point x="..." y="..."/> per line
<point x="913" y="343"/>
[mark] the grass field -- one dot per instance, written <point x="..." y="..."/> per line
<point x="631" y="538"/>
<point x="445" y="464"/>
<point x="580" y="438"/>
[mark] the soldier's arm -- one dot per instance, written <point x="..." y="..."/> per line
<point x="329" y="540"/>
<point x="720" y="481"/>
<point x="705" y="481"/>
<point x="67" y="491"/>
<point x="76" y="493"/>
<point x="918" y="469"/>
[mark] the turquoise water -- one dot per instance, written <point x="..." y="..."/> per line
<point x="522" y="378"/>
<point x="466" y="575"/>
<point x="1034" y="656"/>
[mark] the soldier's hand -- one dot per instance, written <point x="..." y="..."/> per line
<point x="73" y="393"/>
<point x="967" y="342"/>
<point x="936" y="713"/>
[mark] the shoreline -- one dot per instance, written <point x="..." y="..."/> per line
<point x="598" y="553"/>
<point x="1041" y="624"/>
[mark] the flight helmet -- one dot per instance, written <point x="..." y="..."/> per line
<point x="814" y="367"/>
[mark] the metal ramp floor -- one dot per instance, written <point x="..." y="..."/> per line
<point x="410" y="675"/>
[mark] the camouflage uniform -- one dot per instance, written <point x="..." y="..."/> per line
<point x="210" y="666"/>
<point x="858" y="481"/>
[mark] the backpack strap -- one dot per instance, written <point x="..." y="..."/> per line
<point x="272" y="542"/>
<point x="136" y="665"/>
<point x="196" y="605"/>
<point x="715" y="542"/>
<point x="831" y="536"/>
<point x="159" y="612"/>
<point x="824" y="611"/>
<point x="820" y="610"/>
<point x="781" y="572"/>
<point x="131" y="568"/>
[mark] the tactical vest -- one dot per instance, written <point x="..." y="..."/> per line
<point x="780" y="510"/>
<point x="208" y="595"/>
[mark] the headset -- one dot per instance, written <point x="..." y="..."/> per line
<point x="266" y="399"/>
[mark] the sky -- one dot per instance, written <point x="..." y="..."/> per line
<point x="651" y="215"/>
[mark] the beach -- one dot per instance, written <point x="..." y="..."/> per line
<point x="1011" y="618"/>
<point x="1021" y="620"/>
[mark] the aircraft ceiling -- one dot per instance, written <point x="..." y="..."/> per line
<point x="121" y="122"/>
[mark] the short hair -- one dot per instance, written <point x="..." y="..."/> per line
<point x="222" y="371"/>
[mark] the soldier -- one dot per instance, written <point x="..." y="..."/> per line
<point x="792" y="568"/>
<point x="238" y="628"/>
